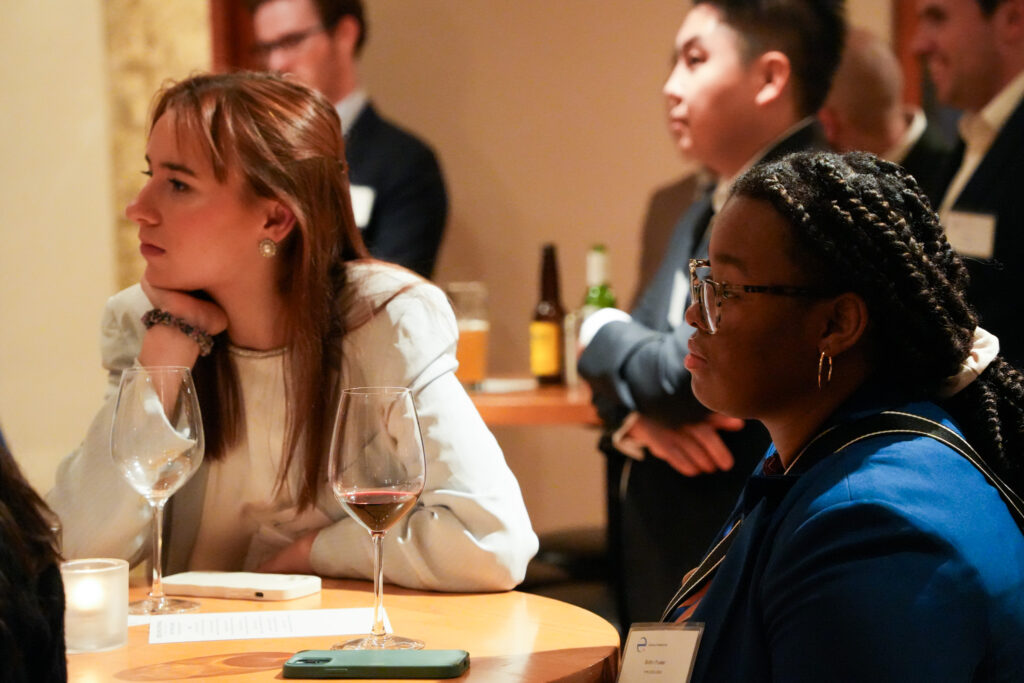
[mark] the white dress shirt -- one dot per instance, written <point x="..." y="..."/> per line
<point x="898" y="152"/>
<point x="979" y="130"/>
<point x="350" y="107"/>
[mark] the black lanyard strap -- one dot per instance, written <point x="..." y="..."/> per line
<point x="840" y="437"/>
<point x="702" y="574"/>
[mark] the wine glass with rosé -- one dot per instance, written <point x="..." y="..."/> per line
<point x="376" y="470"/>
<point x="156" y="440"/>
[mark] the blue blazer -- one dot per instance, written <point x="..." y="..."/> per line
<point x="893" y="560"/>
<point x="411" y="206"/>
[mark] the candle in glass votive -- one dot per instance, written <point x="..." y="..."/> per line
<point x="96" y="604"/>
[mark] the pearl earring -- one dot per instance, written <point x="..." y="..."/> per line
<point x="268" y="248"/>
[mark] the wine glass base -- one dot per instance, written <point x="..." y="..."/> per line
<point x="162" y="606"/>
<point x="385" y="642"/>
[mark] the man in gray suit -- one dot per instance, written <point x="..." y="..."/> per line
<point x="748" y="78"/>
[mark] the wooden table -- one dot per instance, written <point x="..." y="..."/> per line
<point x="537" y="406"/>
<point x="510" y="637"/>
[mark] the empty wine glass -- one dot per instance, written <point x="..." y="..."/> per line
<point x="156" y="440"/>
<point x="376" y="471"/>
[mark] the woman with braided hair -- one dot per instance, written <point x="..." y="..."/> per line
<point x="879" y="539"/>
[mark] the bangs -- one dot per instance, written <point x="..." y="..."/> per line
<point x="202" y="118"/>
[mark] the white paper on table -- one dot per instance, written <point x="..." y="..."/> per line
<point x="193" y="628"/>
<point x="503" y="385"/>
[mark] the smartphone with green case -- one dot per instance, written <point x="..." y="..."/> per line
<point x="377" y="664"/>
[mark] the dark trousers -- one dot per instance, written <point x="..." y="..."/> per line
<point x="660" y="523"/>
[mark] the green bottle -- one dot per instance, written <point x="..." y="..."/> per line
<point x="599" y="292"/>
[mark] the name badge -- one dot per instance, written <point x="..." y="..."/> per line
<point x="677" y="302"/>
<point x="362" y="203"/>
<point x="660" y="652"/>
<point x="971" y="234"/>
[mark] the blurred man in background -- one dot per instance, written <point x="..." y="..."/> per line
<point x="398" y="192"/>
<point x="974" y="51"/>
<point x="865" y="111"/>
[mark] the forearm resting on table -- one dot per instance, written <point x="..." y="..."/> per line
<point x="294" y="558"/>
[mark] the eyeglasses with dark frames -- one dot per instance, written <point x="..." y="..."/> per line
<point x="710" y="294"/>
<point x="288" y="41"/>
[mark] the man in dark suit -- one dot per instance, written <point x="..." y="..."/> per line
<point x="975" y="53"/>
<point x="974" y="50"/>
<point x="865" y="111"/>
<point x="398" y="192"/>
<point x="748" y="78"/>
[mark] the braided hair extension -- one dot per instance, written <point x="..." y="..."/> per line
<point x="863" y="225"/>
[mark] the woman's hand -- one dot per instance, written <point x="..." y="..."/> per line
<point x="294" y="558"/>
<point x="166" y="345"/>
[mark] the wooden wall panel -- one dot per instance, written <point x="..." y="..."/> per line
<point x="232" y="39"/>
<point x="904" y="22"/>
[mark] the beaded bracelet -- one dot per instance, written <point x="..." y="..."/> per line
<point x="157" y="316"/>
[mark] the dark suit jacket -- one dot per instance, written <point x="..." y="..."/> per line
<point x="997" y="189"/>
<point x="411" y="205"/>
<point x="659" y="521"/>
<point x="664" y="208"/>
<point x="926" y="161"/>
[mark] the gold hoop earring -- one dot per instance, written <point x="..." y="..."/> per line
<point x="268" y="248"/>
<point x="824" y="379"/>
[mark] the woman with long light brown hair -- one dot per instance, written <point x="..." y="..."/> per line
<point x="253" y="257"/>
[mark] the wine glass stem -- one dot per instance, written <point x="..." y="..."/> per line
<point x="378" y="585"/>
<point x="156" y="591"/>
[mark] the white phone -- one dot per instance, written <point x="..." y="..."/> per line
<point x="241" y="585"/>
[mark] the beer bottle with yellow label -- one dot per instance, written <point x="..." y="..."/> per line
<point x="547" y="347"/>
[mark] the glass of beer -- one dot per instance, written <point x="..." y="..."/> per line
<point x="469" y="299"/>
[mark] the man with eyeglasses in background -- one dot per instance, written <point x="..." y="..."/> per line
<point x="398" y="191"/>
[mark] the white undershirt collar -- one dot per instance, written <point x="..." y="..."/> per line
<point x="898" y="152"/>
<point x="350" y="107"/>
<point x="979" y="130"/>
<point x="724" y="185"/>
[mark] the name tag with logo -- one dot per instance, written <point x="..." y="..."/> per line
<point x="660" y="651"/>
<point x="971" y="234"/>
<point x="362" y="203"/>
